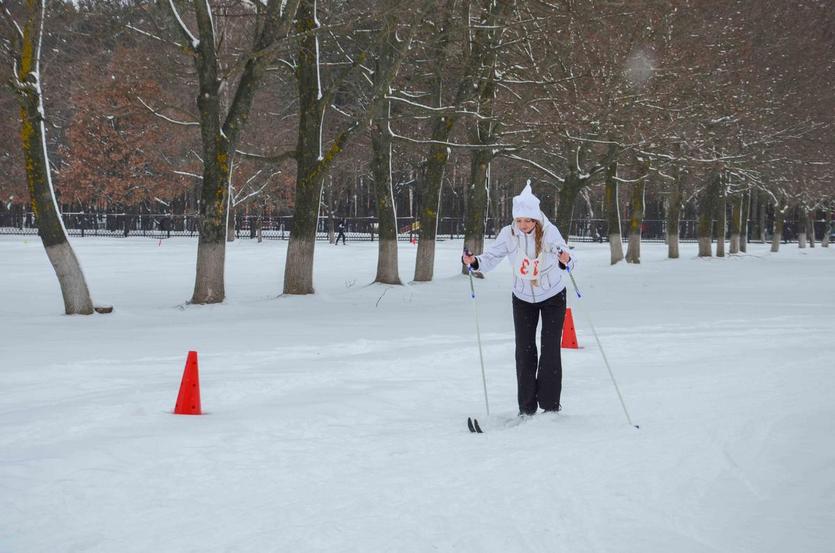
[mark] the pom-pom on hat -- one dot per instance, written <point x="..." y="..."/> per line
<point x="526" y="205"/>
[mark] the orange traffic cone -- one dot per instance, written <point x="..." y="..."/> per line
<point x="569" y="337"/>
<point x="188" y="400"/>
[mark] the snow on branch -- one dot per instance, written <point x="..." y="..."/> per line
<point x="211" y="19"/>
<point x="671" y="110"/>
<point x="236" y="201"/>
<point x="633" y="181"/>
<point x="692" y="159"/>
<point x="442" y="109"/>
<point x="193" y="42"/>
<point x="187" y="174"/>
<point x="273" y="158"/>
<point x="593" y="141"/>
<point x="10" y="21"/>
<point x="538" y="166"/>
<point x="155" y="37"/>
<point x="169" y="119"/>
<point x="454" y="145"/>
<point x="663" y="175"/>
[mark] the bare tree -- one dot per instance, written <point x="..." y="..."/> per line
<point x="482" y="32"/>
<point x="637" y="206"/>
<point x="313" y="160"/>
<point x="22" y="47"/>
<point x="219" y="130"/>
<point x="612" y="208"/>
<point x="386" y="66"/>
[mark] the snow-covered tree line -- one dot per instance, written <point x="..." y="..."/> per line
<point x="720" y="107"/>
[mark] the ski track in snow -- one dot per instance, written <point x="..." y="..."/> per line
<point x="337" y="422"/>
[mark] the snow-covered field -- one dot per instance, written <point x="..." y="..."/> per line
<point x="336" y="422"/>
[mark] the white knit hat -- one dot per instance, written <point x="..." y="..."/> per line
<point x="526" y="205"/>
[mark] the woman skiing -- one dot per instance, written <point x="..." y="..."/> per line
<point x="539" y="256"/>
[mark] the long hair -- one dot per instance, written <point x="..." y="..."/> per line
<point x="538" y="232"/>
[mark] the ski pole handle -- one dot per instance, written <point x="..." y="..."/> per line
<point x="467" y="253"/>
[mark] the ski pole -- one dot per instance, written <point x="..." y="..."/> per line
<point x="573" y="282"/>
<point x="602" y="352"/>
<point x="570" y="274"/>
<point x="478" y="333"/>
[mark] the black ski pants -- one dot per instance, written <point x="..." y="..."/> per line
<point x="542" y="386"/>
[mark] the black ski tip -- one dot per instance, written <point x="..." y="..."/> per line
<point x="477" y="427"/>
<point x="470" y="424"/>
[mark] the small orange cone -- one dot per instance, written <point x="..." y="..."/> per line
<point x="569" y="337"/>
<point x="188" y="400"/>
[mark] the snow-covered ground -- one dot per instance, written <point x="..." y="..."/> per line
<point x="336" y="422"/>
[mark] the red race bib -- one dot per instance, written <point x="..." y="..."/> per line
<point x="527" y="268"/>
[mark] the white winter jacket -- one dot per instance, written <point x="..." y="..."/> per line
<point x="535" y="279"/>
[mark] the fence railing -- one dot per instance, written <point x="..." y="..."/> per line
<point x="119" y="225"/>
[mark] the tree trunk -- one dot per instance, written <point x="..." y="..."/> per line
<point x="721" y="218"/>
<point x="811" y="219"/>
<point x="610" y="201"/>
<point x="761" y="215"/>
<point x="476" y="202"/>
<point x="331" y="229"/>
<point x="230" y="224"/>
<point x="779" y="219"/>
<point x="433" y="175"/>
<point x="569" y="191"/>
<point x="209" y="284"/>
<point x="674" y="215"/>
<point x="478" y="191"/>
<point x="298" y="273"/>
<point x="754" y="214"/>
<point x="744" y="210"/>
<point x="44" y="204"/>
<point x="706" y="209"/>
<point x="803" y="226"/>
<point x="482" y="132"/>
<point x="736" y="222"/>
<point x="387" y="268"/>
<point x="827" y="232"/>
<point x="633" y="251"/>
<point x="260" y="224"/>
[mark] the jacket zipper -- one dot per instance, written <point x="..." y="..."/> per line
<point x="533" y="295"/>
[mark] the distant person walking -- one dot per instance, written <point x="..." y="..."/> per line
<point x="341" y="229"/>
<point x="539" y="256"/>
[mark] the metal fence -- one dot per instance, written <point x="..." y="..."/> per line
<point x="120" y="225"/>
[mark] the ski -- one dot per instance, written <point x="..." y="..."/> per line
<point x="472" y="424"/>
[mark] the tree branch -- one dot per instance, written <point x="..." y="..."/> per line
<point x="272" y="158"/>
<point x="537" y="166"/>
<point x="149" y="35"/>
<point x="193" y="43"/>
<point x="170" y="120"/>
